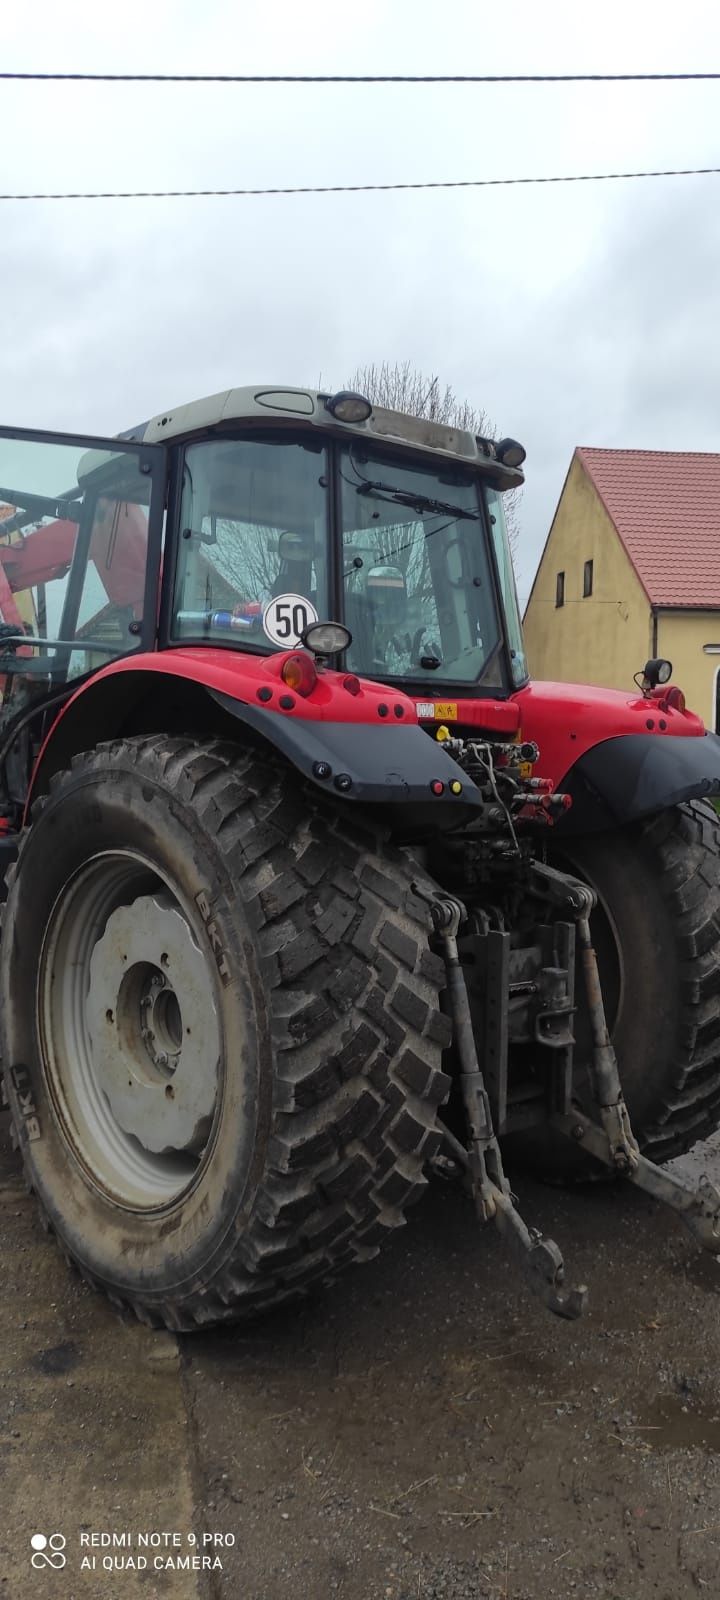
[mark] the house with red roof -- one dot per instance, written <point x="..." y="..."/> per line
<point x="631" y="569"/>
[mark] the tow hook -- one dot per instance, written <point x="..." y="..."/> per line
<point x="540" y="1258"/>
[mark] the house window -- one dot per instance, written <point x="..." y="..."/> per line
<point x="560" y="589"/>
<point x="587" y="579"/>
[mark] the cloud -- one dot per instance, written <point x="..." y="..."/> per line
<point x="629" y="348"/>
<point x="576" y="314"/>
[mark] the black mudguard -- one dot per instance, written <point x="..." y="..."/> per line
<point x="624" y="779"/>
<point x="387" y="766"/>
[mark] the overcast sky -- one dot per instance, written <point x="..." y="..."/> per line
<point x="584" y="314"/>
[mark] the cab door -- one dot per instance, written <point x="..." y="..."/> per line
<point x="81" y="522"/>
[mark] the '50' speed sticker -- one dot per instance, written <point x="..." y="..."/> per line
<point x="286" y="617"/>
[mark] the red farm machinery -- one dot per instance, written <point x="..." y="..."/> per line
<point x="309" y="890"/>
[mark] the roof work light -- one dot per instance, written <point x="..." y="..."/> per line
<point x="346" y="406"/>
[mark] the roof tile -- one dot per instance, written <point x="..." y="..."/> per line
<point x="666" y="508"/>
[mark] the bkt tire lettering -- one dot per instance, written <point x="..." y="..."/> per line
<point x="26" y="1104"/>
<point x="216" y="943"/>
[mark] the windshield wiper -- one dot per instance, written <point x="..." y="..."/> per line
<point x="417" y="502"/>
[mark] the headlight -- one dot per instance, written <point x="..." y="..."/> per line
<point x="326" y="638"/>
<point x="510" y="452"/>
<point x="347" y="406"/>
<point x="656" y="670"/>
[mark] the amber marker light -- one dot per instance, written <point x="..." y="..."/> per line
<point x="300" y="674"/>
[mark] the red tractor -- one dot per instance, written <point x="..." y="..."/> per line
<point x="299" y="909"/>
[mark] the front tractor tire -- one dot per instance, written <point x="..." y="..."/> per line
<point x="221" y="1029"/>
<point x="657" y="934"/>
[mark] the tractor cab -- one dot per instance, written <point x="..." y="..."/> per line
<point x="238" y="522"/>
<point x="410" y="552"/>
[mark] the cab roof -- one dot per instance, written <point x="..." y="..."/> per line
<point x="267" y="403"/>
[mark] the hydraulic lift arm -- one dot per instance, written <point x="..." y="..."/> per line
<point x="609" y="1139"/>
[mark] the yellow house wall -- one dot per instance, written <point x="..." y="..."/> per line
<point x="681" y="637"/>
<point x="607" y="637"/>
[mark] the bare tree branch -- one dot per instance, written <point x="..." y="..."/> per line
<point x="402" y="388"/>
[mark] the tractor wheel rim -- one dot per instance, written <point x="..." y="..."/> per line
<point x="131" y="1039"/>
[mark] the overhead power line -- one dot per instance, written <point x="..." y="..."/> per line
<point x="361" y="188"/>
<point x="360" y="77"/>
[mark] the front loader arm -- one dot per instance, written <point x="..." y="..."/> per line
<point x="38" y="557"/>
<point x="118" y="551"/>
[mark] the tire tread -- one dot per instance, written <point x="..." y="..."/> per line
<point x="358" y="1073"/>
<point x="686" y="841"/>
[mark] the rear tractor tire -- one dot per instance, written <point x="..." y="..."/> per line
<point x="657" y="934"/>
<point x="221" y="1029"/>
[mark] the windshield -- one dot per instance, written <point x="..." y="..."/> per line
<point x="419" y="595"/>
<point x="252" y="563"/>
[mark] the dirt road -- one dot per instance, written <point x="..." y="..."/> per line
<point x="425" y="1432"/>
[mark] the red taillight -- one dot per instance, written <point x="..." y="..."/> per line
<point x="675" y="699"/>
<point x="351" y="683"/>
<point x="300" y="674"/>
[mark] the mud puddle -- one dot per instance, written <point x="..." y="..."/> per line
<point x="672" y="1422"/>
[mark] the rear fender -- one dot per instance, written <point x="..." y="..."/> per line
<point x="627" y="778"/>
<point x="368" y="761"/>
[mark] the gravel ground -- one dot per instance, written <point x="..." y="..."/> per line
<point x="426" y="1431"/>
